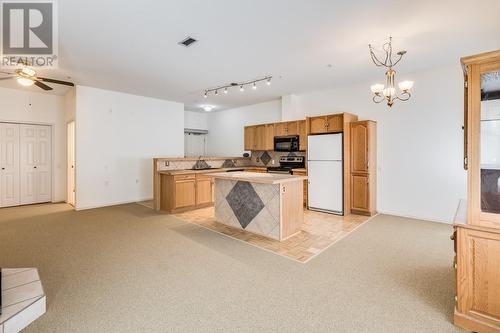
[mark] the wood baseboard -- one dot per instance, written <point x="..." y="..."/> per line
<point x="472" y="324"/>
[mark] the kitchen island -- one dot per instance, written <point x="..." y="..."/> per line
<point x="267" y="204"/>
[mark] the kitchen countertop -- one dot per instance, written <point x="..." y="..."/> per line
<point x="256" y="177"/>
<point x="187" y="172"/>
<point x="300" y="170"/>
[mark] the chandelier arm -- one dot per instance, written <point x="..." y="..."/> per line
<point x="376" y="61"/>
<point x="378" y="101"/>
<point x="405" y="95"/>
<point x="399" y="59"/>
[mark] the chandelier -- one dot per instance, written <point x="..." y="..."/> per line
<point x="388" y="92"/>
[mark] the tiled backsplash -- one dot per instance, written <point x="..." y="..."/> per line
<point x="183" y="165"/>
<point x="259" y="158"/>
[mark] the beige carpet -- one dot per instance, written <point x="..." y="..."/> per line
<point x="127" y="269"/>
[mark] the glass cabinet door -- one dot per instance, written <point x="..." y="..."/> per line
<point x="490" y="142"/>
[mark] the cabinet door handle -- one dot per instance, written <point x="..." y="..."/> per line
<point x="3" y="168"/>
<point x="34" y="167"/>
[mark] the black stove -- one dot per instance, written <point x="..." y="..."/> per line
<point x="287" y="164"/>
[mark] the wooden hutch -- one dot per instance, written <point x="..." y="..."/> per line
<point x="477" y="225"/>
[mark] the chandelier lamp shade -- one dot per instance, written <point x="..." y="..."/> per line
<point x="388" y="92"/>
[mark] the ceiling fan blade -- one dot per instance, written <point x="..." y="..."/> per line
<point x="66" y="83"/>
<point x="6" y="78"/>
<point x="42" y="85"/>
<point x="6" y="73"/>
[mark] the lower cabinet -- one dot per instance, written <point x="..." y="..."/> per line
<point x="360" y="189"/>
<point x="185" y="192"/>
<point x="204" y="190"/>
<point x="478" y="278"/>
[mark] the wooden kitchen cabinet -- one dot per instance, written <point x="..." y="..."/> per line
<point x="363" y="152"/>
<point x="326" y="124"/>
<point x="249" y="138"/>
<point x="260" y="137"/>
<point x="185" y="191"/>
<point x="360" y="187"/>
<point x="286" y="128"/>
<point x="302" y="131"/>
<point x="204" y="189"/>
<point x="317" y="125"/>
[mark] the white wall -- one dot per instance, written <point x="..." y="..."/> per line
<point x="17" y="105"/>
<point x="117" y="135"/>
<point x="195" y="120"/>
<point x="226" y="127"/>
<point x="419" y="141"/>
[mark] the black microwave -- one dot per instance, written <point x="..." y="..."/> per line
<point x="286" y="143"/>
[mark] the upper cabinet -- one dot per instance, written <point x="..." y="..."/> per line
<point x="287" y="128"/>
<point x="249" y="138"/>
<point x="326" y="124"/>
<point x="302" y="131"/>
<point x="359" y="147"/>
<point x="259" y="137"/>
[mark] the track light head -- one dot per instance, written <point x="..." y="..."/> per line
<point x="225" y="90"/>
<point x="254" y="87"/>
<point x="206" y="95"/>
<point x="241" y="88"/>
<point x="268" y="82"/>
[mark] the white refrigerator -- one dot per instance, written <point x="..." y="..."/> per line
<point x="325" y="171"/>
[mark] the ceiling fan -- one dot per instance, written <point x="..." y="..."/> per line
<point x="27" y="77"/>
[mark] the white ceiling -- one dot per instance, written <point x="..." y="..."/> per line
<point x="131" y="46"/>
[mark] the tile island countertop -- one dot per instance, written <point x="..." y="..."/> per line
<point x="256" y="177"/>
<point x="267" y="204"/>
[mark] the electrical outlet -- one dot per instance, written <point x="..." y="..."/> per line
<point x="272" y="162"/>
<point x="167" y="163"/>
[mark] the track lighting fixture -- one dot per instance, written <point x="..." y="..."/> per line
<point x="225" y="88"/>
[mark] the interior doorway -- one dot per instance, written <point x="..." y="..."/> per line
<point x="71" y="164"/>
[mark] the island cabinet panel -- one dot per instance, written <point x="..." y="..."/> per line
<point x="292" y="211"/>
<point x="249" y="143"/>
<point x="306" y="184"/>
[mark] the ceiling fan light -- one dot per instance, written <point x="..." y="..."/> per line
<point x="25" y="82"/>
<point x="28" y="71"/>
<point x="405" y="85"/>
<point x="377" y="88"/>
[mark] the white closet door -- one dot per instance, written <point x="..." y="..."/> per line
<point x="9" y="165"/>
<point x="43" y="158"/>
<point x="28" y="164"/>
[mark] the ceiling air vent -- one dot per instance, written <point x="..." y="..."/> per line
<point x="187" y="41"/>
